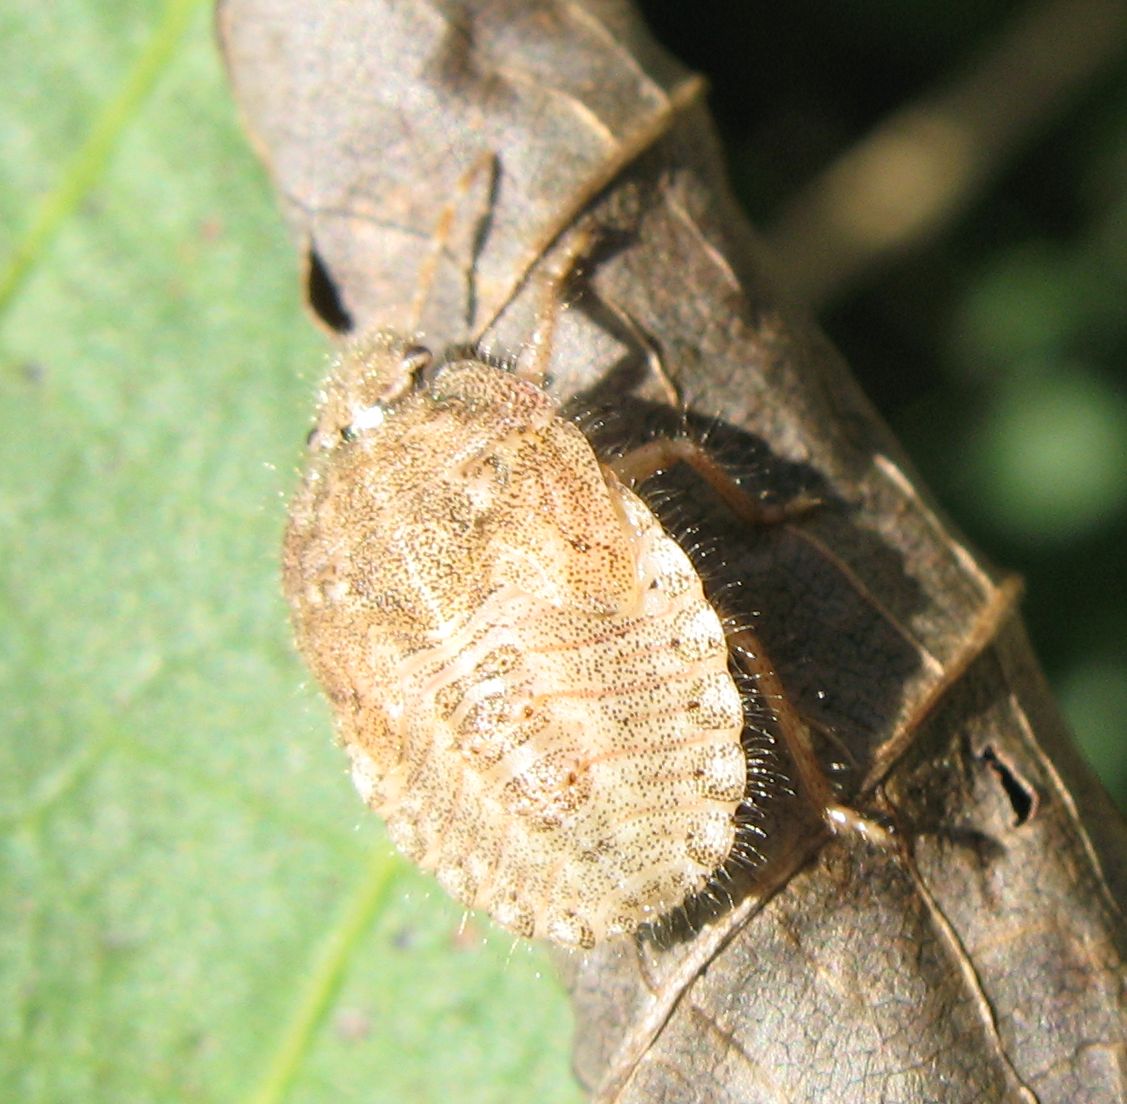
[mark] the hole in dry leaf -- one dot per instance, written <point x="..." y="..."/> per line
<point x="1022" y="796"/>
<point x="324" y="297"/>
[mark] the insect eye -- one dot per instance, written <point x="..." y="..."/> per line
<point x="414" y="362"/>
<point x="347" y="433"/>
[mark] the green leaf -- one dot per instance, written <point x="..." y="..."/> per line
<point x="193" y="904"/>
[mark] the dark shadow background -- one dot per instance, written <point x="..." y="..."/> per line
<point x="998" y="351"/>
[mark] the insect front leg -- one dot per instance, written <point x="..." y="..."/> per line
<point x="456" y="229"/>
<point x="553" y="282"/>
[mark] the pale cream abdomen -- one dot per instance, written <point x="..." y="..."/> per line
<point x="573" y="774"/>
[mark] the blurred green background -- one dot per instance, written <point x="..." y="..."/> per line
<point x="192" y="905"/>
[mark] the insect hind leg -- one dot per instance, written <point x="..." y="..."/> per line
<point x="659" y="455"/>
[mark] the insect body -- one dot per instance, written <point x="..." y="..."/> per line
<point x="532" y="687"/>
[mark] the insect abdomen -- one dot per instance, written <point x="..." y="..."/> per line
<point x="574" y="774"/>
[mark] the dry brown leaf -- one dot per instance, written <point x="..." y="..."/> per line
<point x="432" y="158"/>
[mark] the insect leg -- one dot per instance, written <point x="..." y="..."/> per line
<point x="533" y="362"/>
<point x="641" y="463"/>
<point x="484" y="168"/>
<point x="812" y="781"/>
<point x="661" y="454"/>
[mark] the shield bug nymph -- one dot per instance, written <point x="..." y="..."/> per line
<point x="534" y="690"/>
